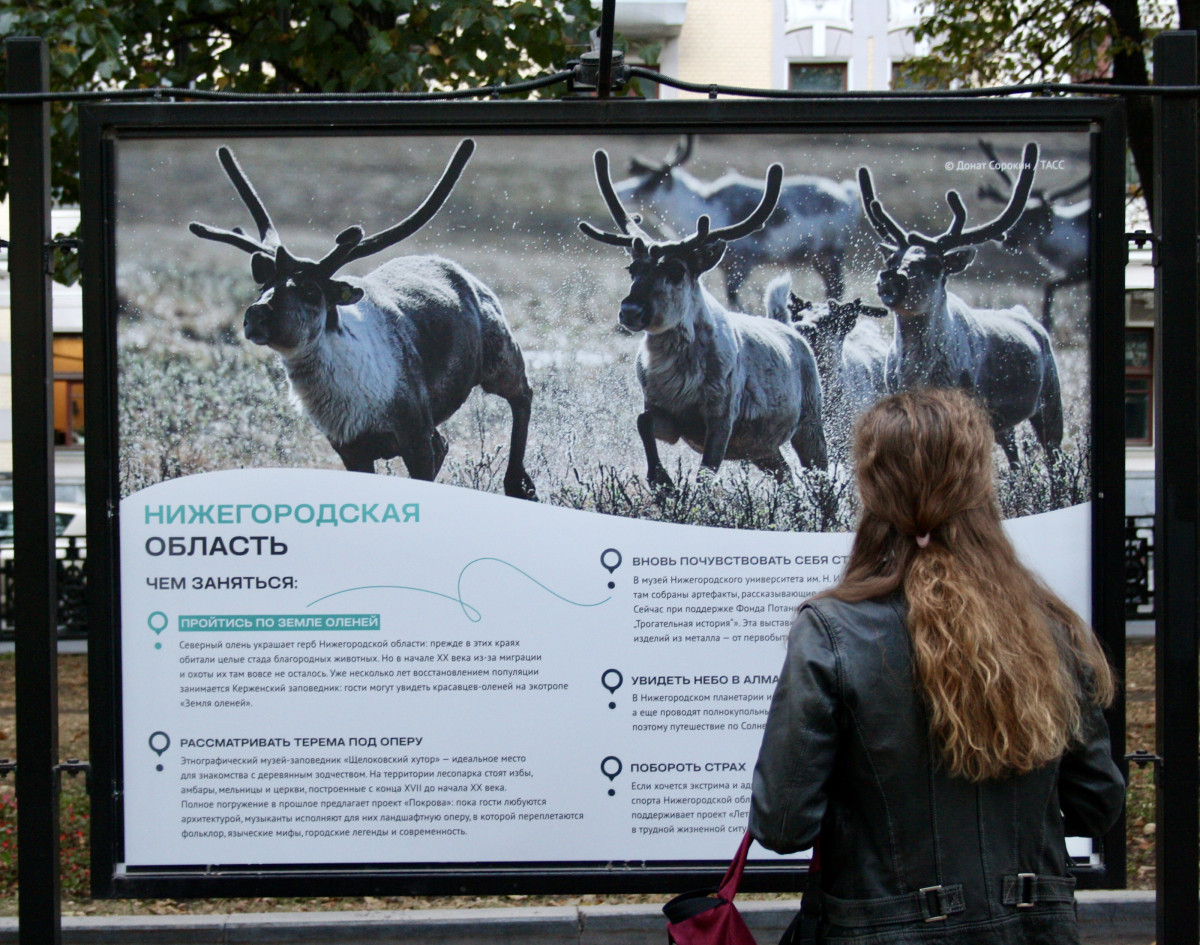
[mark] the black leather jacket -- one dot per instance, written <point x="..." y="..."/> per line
<point x="908" y="853"/>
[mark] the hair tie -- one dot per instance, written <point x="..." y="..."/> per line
<point x="923" y="540"/>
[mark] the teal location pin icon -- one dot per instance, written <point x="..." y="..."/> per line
<point x="157" y="622"/>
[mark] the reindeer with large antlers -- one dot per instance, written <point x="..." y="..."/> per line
<point x="1054" y="231"/>
<point x="732" y="386"/>
<point x="812" y="224"/>
<point x="1002" y="356"/>
<point x="379" y="361"/>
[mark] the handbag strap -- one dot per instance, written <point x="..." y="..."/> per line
<point x="733" y="876"/>
<point x="812" y="906"/>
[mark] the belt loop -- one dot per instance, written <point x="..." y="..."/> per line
<point x="932" y="905"/>
<point x="1026" y="890"/>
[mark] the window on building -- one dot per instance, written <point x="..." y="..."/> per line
<point x="68" y="390"/>
<point x="1139" y="386"/>
<point x="817" y="76"/>
<point x="904" y="79"/>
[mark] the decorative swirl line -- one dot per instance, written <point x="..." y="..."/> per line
<point x="471" y="612"/>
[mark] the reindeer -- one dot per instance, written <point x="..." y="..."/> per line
<point x="1003" y="357"/>
<point x="812" y="223"/>
<point x="851" y="355"/>
<point x="732" y="386"/>
<point x="1055" y="232"/>
<point x="379" y="361"/>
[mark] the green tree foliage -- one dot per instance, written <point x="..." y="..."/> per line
<point x="285" y="46"/>
<point x="996" y="42"/>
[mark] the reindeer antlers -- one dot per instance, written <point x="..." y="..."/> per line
<point x="623" y="220"/>
<point x="986" y="147"/>
<point x="351" y="243"/>
<point x="424" y="213"/>
<point x="955" y="236"/>
<point x="884" y="225"/>
<point x="1069" y="191"/>
<point x="704" y="234"/>
<point x="677" y="156"/>
<point x="1052" y="197"/>
<point x="268" y="237"/>
<point x="758" y="216"/>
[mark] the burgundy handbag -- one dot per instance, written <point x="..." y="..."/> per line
<point x="708" y="916"/>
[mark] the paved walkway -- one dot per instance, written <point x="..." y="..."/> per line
<point x="1106" y="918"/>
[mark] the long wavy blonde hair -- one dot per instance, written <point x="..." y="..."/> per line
<point x="1002" y="662"/>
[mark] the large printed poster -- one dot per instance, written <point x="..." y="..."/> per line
<point x="605" y="384"/>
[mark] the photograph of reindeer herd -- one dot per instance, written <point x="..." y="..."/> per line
<point x="678" y="328"/>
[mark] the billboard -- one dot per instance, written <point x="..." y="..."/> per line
<point x="603" y="365"/>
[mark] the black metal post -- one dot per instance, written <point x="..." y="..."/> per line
<point x="608" y="17"/>
<point x="40" y="907"/>
<point x="1108" y="440"/>
<point x="1177" y="467"/>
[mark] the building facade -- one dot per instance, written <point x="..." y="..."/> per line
<point x="778" y="44"/>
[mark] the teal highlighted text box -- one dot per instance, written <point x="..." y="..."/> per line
<point x="208" y="623"/>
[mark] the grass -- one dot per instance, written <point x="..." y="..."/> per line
<point x="75" y="814"/>
<point x="584" y="451"/>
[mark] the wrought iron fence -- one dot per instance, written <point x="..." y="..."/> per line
<point x="72" y="589"/>
<point x="1139" y="567"/>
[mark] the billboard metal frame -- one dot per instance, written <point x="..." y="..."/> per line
<point x="102" y="127"/>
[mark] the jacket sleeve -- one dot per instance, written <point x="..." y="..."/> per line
<point x="799" y="743"/>
<point x="1091" y="789"/>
